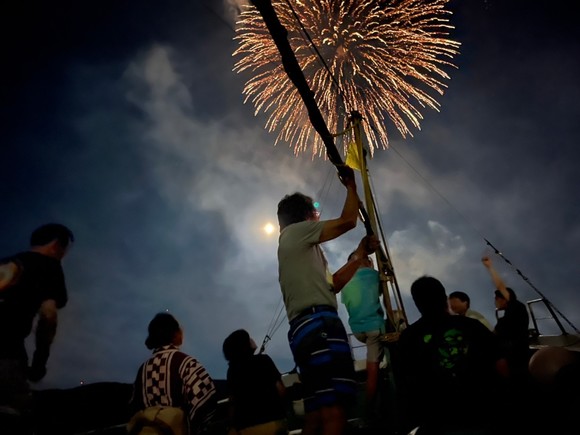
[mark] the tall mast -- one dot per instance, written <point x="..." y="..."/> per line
<point x="292" y="67"/>
<point x="388" y="280"/>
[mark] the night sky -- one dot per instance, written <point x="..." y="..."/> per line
<point x="124" y="121"/>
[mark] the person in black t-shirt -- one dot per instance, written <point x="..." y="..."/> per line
<point x="447" y="362"/>
<point x="32" y="284"/>
<point x="512" y="327"/>
<point x="257" y="404"/>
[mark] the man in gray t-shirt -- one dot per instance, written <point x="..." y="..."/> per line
<point x="321" y="351"/>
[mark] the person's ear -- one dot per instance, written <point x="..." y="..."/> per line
<point x="178" y="337"/>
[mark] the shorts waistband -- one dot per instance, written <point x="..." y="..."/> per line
<point x="313" y="310"/>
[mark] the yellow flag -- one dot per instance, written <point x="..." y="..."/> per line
<point x="353" y="157"/>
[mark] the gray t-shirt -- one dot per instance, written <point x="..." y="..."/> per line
<point x="303" y="270"/>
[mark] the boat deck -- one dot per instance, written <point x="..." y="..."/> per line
<point x="568" y="341"/>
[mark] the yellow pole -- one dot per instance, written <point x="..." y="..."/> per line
<point x="384" y="264"/>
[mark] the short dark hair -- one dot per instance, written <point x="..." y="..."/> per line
<point x="429" y="295"/>
<point x="295" y="208"/>
<point x="162" y="330"/>
<point x="49" y="232"/>
<point x="512" y="293"/>
<point x="237" y="346"/>
<point x="463" y="297"/>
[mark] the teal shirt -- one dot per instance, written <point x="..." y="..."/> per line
<point x="361" y="298"/>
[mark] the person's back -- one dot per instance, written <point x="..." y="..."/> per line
<point x="171" y="378"/>
<point x="447" y="361"/>
<point x="255" y="388"/>
<point x="41" y="277"/>
<point x="317" y="337"/>
<point x="361" y="296"/>
<point x="512" y="332"/>
<point x="512" y="327"/>
<point x="362" y="300"/>
<point x="33" y="285"/>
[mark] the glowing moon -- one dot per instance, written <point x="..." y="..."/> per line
<point x="269" y="228"/>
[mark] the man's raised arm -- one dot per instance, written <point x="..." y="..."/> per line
<point x="497" y="281"/>
<point x="334" y="228"/>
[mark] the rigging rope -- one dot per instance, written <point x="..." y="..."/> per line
<point x="273" y="325"/>
<point x="527" y="280"/>
<point x="496" y="251"/>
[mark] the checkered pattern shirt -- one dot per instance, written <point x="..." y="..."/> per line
<point x="173" y="378"/>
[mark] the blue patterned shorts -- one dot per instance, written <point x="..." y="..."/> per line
<point x="321" y="350"/>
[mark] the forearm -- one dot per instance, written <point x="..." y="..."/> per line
<point x="45" y="331"/>
<point x="351" y="205"/>
<point x="498" y="283"/>
<point x="343" y="275"/>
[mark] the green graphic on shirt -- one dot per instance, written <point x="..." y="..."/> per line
<point x="452" y="348"/>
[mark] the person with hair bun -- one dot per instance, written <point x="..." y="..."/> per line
<point x="257" y="405"/>
<point x="172" y="378"/>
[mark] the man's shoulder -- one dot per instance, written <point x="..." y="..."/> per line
<point x="35" y="259"/>
<point x="14" y="257"/>
<point x="516" y="306"/>
<point x="299" y="233"/>
<point x="516" y="303"/>
<point x="469" y="321"/>
<point x="440" y="325"/>
<point x="412" y="330"/>
<point x="303" y="226"/>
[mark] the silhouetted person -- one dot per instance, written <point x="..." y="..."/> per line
<point x="460" y="304"/>
<point x="32" y="284"/>
<point x="512" y="327"/>
<point x="321" y="350"/>
<point x="448" y="363"/>
<point x="256" y="390"/>
<point x="172" y="378"/>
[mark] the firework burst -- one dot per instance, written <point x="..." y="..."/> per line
<point x="384" y="59"/>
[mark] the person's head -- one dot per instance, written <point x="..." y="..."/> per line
<point x="459" y="302"/>
<point x="164" y="330"/>
<point x="238" y="345"/>
<point x="365" y="262"/>
<point x="295" y="208"/>
<point x="501" y="302"/>
<point x="429" y="296"/>
<point x="52" y="240"/>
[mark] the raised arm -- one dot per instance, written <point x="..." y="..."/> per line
<point x="367" y="246"/>
<point x="497" y="281"/>
<point x="334" y="228"/>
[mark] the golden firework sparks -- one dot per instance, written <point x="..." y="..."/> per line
<point x="387" y="58"/>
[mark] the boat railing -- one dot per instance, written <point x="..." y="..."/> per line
<point x="538" y="340"/>
<point x="551" y="315"/>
